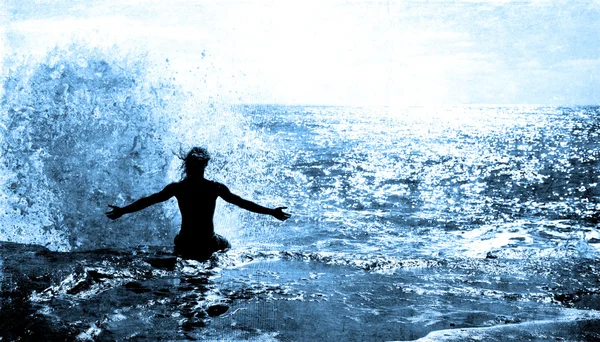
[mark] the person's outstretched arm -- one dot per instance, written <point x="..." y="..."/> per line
<point x="142" y="203"/>
<point x="253" y="207"/>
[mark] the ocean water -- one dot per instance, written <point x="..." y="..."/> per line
<point x="436" y="182"/>
<point x="439" y="223"/>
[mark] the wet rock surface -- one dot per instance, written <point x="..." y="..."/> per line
<point x="108" y="295"/>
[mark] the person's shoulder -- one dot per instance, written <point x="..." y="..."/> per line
<point x="177" y="183"/>
<point x="216" y="185"/>
<point x="173" y="186"/>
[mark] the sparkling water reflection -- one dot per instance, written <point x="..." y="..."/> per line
<point x="445" y="223"/>
<point x="461" y="181"/>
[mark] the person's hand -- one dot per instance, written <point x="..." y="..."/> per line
<point x="115" y="213"/>
<point x="280" y="215"/>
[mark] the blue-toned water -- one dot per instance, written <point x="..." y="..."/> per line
<point x="437" y="182"/>
<point x="458" y="222"/>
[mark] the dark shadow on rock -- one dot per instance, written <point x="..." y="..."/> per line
<point x="22" y="273"/>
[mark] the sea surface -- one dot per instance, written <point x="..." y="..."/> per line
<point x="432" y="223"/>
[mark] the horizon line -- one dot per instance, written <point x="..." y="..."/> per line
<point x="414" y="105"/>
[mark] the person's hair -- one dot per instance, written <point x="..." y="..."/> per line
<point x="195" y="160"/>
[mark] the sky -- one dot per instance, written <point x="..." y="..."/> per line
<point x="353" y="53"/>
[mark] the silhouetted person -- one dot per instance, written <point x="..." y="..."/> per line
<point x="197" y="197"/>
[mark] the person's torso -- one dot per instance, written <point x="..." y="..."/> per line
<point x="197" y="199"/>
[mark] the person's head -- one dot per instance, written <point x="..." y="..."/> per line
<point x="195" y="161"/>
